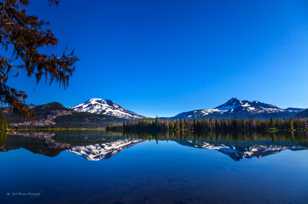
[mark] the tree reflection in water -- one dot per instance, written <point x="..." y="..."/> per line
<point x="102" y="145"/>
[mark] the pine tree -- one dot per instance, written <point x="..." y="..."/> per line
<point x="21" y="38"/>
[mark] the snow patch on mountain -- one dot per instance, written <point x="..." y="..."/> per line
<point x="209" y="111"/>
<point x="105" y="107"/>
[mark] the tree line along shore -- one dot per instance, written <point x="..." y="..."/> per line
<point x="186" y="126"/>
<point x="211" y="125"/>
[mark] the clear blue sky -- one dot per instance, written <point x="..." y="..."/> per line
<point x="162" y="57"/>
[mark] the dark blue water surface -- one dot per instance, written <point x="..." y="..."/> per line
<point x="168" y="170"/>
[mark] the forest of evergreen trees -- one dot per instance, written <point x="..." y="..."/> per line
<point x="211" y="125"/>
<point x="3" y="129"/>
<point x="3" y="124"/>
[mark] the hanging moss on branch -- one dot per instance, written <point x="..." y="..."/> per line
<point x="22" y="37"/>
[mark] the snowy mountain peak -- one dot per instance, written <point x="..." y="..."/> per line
<point x="236" y="105"/>
<point x="95" y="101"/>
<point x="230" y="105"/>
<point x="236" y="108"/>
<point x="105" y="107"/>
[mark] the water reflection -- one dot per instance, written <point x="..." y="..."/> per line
<point x="39" y="142"/>
<point x="245" y="150"/>
<point x="153" y="169"/>
<point x="98" y="146"/>
<point x="104" y="150"/>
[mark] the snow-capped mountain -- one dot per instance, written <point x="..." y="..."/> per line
<point x="236" y="105"/>
<point x="240" y="109"/>
<point x="105" y="107"/>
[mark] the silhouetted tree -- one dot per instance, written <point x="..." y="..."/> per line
<point x="22" y="38"/>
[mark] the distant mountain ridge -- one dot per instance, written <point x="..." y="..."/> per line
<point x="94" y="113"/>
<point x="240" y="109"/>
<point x="55" y="114"/>
<point x="98" y="113"/>
<point x="106" y="107"/>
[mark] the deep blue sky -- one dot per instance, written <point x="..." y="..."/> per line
<point x="161" y="57"/>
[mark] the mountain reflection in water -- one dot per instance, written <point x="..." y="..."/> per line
<point x="98" y="146"/>
<point x="105" y="150"/>
<point x="246" y="150"/>
<point x="39" y="142"/>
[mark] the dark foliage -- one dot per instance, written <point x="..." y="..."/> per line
<point x="22" y="38"/>
<point x="85" y="120"/>
<point x="3" y="125"/>
<point x="208" y="126"/>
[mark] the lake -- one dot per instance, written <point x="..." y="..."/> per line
<point x="86" y="168"/>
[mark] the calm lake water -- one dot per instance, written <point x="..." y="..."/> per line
<point x="86" y="168"/>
